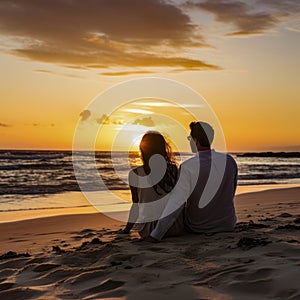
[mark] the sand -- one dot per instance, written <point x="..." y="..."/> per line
<point x="83" y="257"/>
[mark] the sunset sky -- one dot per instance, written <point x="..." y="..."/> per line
<point x="57" y="56"/>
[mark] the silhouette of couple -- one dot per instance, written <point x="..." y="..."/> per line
<point x="172" y="205"/>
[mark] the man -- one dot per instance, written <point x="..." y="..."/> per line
<point x="205" y="190"/>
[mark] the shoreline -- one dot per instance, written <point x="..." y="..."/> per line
<point x="83" y="206"/>
<point x="33" y="234"/>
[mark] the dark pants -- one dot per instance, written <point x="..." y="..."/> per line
<point x="178" y="227"/>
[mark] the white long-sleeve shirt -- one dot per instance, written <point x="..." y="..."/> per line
<point x="212" y="177"/>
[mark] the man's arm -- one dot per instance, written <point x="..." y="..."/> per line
<point x="163" y="225"/>
<point x="235" y="175"/>
<point x="177" y="199"/>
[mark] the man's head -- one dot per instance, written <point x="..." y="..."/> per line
<point x="202" y="135"/>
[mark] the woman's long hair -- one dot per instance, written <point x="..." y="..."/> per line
<point x="154" y="143"/>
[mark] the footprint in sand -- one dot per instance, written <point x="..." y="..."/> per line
<point x="45" y="267"/>
<point x="261" y="273"/>
<point x="20" y="294"/>
<point x="6" y="286"/>
<point x="104" y="286"/>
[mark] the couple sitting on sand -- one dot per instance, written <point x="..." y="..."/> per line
<point x="176" y="197"/>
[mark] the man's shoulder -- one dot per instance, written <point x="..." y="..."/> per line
<point x="231" y="163"/>
<point x="228" y="156"/>
<point x="190" y="165"/>
<point x="230" y="159"/>
<point x="190" y="161"/>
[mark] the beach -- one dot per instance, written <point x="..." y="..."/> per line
<point x="81" y="256"/>
<point x="109" y="103"/>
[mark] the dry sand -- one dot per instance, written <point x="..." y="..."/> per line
<point x="82" y="257"/>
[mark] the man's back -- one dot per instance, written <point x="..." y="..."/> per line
<point x="219" y="214"/>
<point x="209" y="176"/>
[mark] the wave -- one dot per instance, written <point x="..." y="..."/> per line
<point x="247" y="183"/>
<point x="41" y="166"/>
<point x="11" y="156"/>
<point x="43" y="189"/>
<point x="25" y="172"/>
<point x="269" y="176"/>
<point x="270" y="154"/>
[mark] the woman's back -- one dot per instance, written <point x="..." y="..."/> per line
<point x="151" y="202"/>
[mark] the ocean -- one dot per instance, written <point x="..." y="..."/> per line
<point x="31" y="174"/>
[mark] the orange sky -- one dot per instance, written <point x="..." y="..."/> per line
<point x="241" y="56"/>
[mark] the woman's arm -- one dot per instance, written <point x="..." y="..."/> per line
<point x="134" y="210"/>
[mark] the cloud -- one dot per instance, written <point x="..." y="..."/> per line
<point x="42" y="71"/>
<point x="115" y="58"/>
<point x="283" y="6"/>
<point x="118" y="122"/>
<point x="167" y="104"/>
<point x="60" y="74"/>
<point x="85" y="115"/>
<point x="138" y="111"/>
<point x="4" y="125"/>
<point x="156" y="104"/>
<point x="101" y="33"/>
<point x="39" y="125"/>
<point x="240" y="14"/>
<point x="147" y="121"/>
<point x="104" y="119"/>
<point x="125" y="73"/>
<point x="71" y="75"/>
<point x="249" y="17"/>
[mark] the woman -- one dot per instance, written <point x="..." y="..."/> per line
<point x="152" y="143"/>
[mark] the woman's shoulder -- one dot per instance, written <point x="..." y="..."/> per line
<point x="134" y="174"/>
<point x="138" y="170"/>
